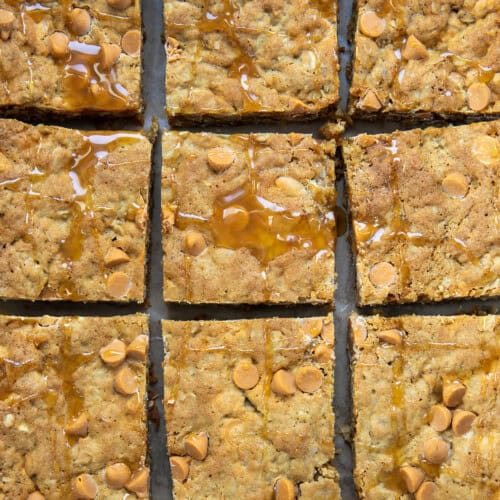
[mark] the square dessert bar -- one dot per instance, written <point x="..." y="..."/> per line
<point x="70" y="57"/>
<point x="72" y="407"/>
<point x="248" y="408"/>
<point x="426" y="59"/>
<point x="426" y="406"/>
<point x="248" y="218"/>
<point x="73" y="213"/>
<point x="235" y="60"/>
<point x="424" y="207"/>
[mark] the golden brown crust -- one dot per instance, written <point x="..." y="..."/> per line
<point x="248" y="218"/>
<point x="66" y="199"/>
<point x="269" y="59"/>
<point x="431" y="58"/>
<point x="394" y="389"/>
<point x="424" y="205"/>
<point x="55" y="58"/>
<point x="51" y="374"/>
<point x="255" y="436"/>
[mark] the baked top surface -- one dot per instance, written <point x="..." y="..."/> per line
<point x="248" y="218"/>
<point x="52" y="374"/>
<point x="426" y="56"/>
<point x="424" y="205"/>
<point x="255" y="436"/>
<point x="92" y="63"/>
<point x="73" y="213"/>
<point x="394" y="389"/>
<point x="235" y="58"/>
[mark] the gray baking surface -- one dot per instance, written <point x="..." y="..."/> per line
<point x="154" y="95"/>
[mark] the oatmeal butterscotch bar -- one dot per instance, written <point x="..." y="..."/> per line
<point x="248" y="218"/>
<point x="72" y="407"/>
<point x="73" y="213"/>
<point x="248" y="408"/>
<point x="70" y="57"/>
<point x="267" y="59"/>
<point x="426" y="59"/>
<point x="426" y="406"/>
<point x="424" y="208"/>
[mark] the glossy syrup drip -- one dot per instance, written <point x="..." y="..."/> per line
<point x="86" y="85"/>
<point x="269" y="230"/>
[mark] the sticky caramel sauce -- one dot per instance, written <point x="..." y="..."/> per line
<point x="86" y="85"/>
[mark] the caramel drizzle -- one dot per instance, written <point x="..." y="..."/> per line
<point x="272" y="230"/>
<point x="397" y="451"/>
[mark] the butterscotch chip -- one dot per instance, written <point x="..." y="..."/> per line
<point x="118" y="284"/>
<point x="315" y="327"/>
<point x="462" y="421"/>
<point x="370" y="101"/>
<point x="236" y="217"/>
<point x="179" y="467"/>
<point x="220" y="158"/>
<point x="284" y="489"/>
<point x="436" y="450"/>
<point x="109" y="54"/>
<point x="139" y="483"/>
<point x="392" y="336"/>
<point x="486" y="149"/>
<point x="79" y="426"/>
<point x="308" y="378"/>
<point x="194" y="243"/>
<point x="114" y="353"/>
<point x="196" y="445"/>
<point x="125" y="382"/>
<point x="80" y="21"/>
<point x="36" y="495"/>
<point x="138" y="348"/>
<point x="246" y="375"/>
<point x="412" y="476"/>
<point x="6" y="21"/>
<point x="290" y="186"/>
<point x="371" y="25"/>
<point x="283" y="383"/>
<point x="115" y="256"/>
<point x="414" y="49"/>
<point x="59" y="45"/>
<point x="322" y="353"/>
<point x="131" y="42"/>
<point x="85" y="487"/>
<point x="382" y="274"/>
<point x="453" y="393"/>
<point x="455" y="184"/>
<point x="120" y="4"/>
<point x="117" y="475"/>
<point x="427" y="491"/>
<point x="439" y="417"/>
<point x="478" y="96"/>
